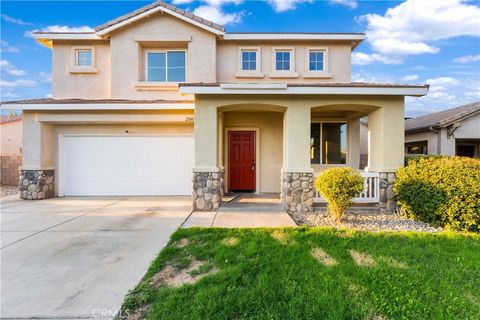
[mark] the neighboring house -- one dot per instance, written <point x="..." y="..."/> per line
<point x="152" y="95"/>
<point x="11" y="149"/>
<point x="451" y="132"/>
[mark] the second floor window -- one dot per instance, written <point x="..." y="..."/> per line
<point x="316" y="60"/>
<point x="166" y="66"/>
<point x="83" y="58"/>
<point x="249" y="60"/>
<point x="283" y="60"/>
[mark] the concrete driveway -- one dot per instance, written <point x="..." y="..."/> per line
<point x="78" y="257"/>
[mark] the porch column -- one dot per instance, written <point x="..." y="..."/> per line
<point x="353" y="144"/>
<point x="386" y="147"/>
<point x="297" y="175"/>
<point x="37" y="173"/>
<point x="207" y="176"/>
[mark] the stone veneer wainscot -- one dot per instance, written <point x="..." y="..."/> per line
<point x="37" y="184"/>
<point x="387" y="201"/>
<point x="207" y="190"/>
<point x="297" y="191"/>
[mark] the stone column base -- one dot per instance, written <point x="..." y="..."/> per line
<point x="207" y="190"/>
<point x="37" y="184"/>
<point x="297" y="192"/>
<point x="387" y="201"/>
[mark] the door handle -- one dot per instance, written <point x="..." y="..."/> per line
<point x="253" y="166"/>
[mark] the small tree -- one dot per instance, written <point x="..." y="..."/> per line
<point x="339" y="186"/>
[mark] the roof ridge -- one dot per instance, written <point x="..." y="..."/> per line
<point x="156" y="4"/>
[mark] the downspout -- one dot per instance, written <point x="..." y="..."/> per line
<point x="439" y="139"/>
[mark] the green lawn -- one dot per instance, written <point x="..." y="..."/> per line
<point x="260" y="276"/>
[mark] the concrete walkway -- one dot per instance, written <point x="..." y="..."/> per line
<point x="245" y="211"/>
<point x="72" y="258"/>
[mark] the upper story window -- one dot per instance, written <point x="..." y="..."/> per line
<point x="316" y="60"/>
<point x="249" y="60"/>
<point x="283" y="63"/>
<point x="316" y="63"/>
<point x="166" y="65"/>
<point x="84" y="57"/>
<point x="83" y="60"/>
<point x="283" y="60"/>
<point x="328" y="143"/>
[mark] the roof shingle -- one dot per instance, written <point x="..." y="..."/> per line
<point x="442" y="118"/>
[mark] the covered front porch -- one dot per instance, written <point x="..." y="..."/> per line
<point x="279" y="143"/>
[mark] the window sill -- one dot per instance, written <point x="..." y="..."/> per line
<point x="317" y="75"/>
<point x="156" y="86"/>
<point x="85" y="70"/>
<point x="283" y="75"/>
<point x="249" y="74"/>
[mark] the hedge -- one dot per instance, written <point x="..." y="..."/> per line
<point x="443" y="191"/>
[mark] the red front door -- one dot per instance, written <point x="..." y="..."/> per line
<point x="241" y="165"/>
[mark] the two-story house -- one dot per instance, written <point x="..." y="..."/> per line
<point x="152" y="96"/>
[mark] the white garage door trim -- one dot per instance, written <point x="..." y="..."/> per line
<point x="61" y="154"/>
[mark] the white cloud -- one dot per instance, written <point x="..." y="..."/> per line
<point x="467" y="59"/>
<point x="180" y="2"/>
<point x="285" y="5"/>
<point x="45" y="77"/>
<point x="217" y="15"/>
<point x="442" y="81"/>
<point x="13" y="20"/>
<point x="352" y="4"/>
<point x="5" y="47"/>
<point x="10" y="69"/>
<point x="362" y="59"/>
<point x="57" y="28"/>
<point x="17" y="83"/>
<point x="410" y="77"/>
<point x="411" y="27"/>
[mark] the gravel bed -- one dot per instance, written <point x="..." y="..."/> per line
<point x="9" y="190"/>
<point x="365" y="220"/>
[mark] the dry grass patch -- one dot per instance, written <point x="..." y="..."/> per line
<point x="138" y="314"/>
<point x="472" y="299"/>
<point x="362" y="259"/>
<point x="230" y="241"/>
<point x="323" y="257"/>
<point x="391" y="262"/>
<point x="182" y="243"/>
<point x="174" y="278"/>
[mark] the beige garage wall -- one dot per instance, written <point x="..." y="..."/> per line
<point x="270" y="128"/>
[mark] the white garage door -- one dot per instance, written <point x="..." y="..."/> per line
<point x="126" y="165"/>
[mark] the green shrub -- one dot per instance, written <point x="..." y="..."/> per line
<point x="339" y="186"/>
<point x="443" y="191"/>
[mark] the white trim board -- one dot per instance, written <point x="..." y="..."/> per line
<point x="394" y="91"/>
<point x="100" y="106"/>
<point x="292" y="36"/>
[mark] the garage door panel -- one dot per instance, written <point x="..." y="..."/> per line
<point x="127" y="165"/>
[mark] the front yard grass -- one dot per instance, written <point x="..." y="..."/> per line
<point x="318" y="273"/>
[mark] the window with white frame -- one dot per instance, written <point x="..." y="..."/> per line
<point x="316" y="60"/>
<point x="166" y="65"/>
<point x="84" y="57"/>
<point x="283" y="59"/>
<point x="328" y="143"/>
<point x="249" y="60"/>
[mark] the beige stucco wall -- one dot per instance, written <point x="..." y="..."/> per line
<point x="159" y="31"/>
<point x="469" y="129"/>
<point x="269" y="126"/>
<point x="11" y="137"/>
<point x="429" y="136"/>
<point x="339" y="61"/>
<point x="67" y="85"/>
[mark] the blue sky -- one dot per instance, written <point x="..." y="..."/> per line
<point x="414" y="41"/>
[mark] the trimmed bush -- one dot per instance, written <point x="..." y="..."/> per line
<point x="443" y="191"/>
<point x="339" y="186"/>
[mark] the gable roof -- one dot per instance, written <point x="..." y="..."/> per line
<point x="10" y="118"/>
<point x="442" y="118"/>
<point x="156" y="7"/>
